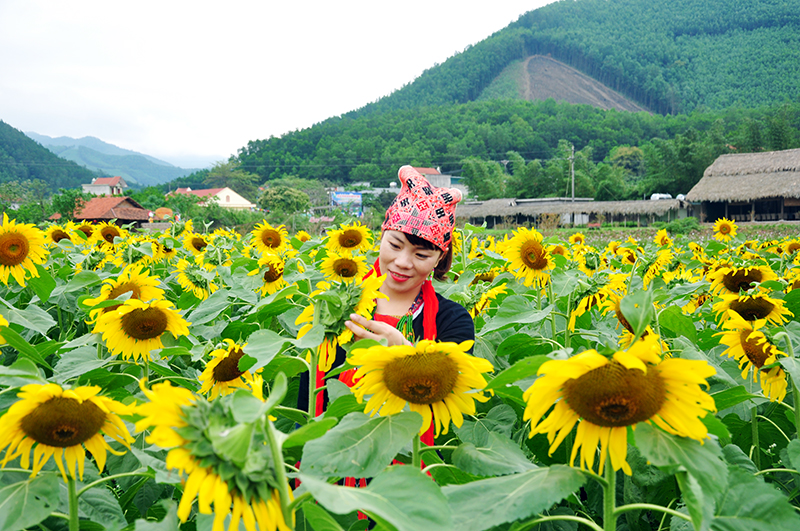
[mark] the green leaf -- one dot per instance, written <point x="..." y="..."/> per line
<point x="731" y="397"/>
<point x="23" y="347"/>
<point x="77" y="362"/>
<point x="500" y="419"/>
<point x="168" y="523"/>
<point x="702" y="460"/>
<point x="262" y="346"/>
<point x="25" y="501"/>
<point x="209" y="309"/>
<point x="402" y="496"/>
<point x="21" y="372"/>
<point x="699" y="504"/>
<point x="515" y="309"/>
<point x="80" y="282"/>
<point x="245" y="407"/>
<point x="522" y="369"/>
<point x="637" y="308"/>
<point x="498" y="457"/>
<point x="360" y="446"/>
<point x="31" y="318"/>
<point x="735" y="456"/>
<point x="42" y="285"/>
<point x="490" y="502"/>
<point x="309" y="432"/>
<point x="793" y="452"/>
<point x="319" y="518"/>
<point x="673" y="320"/>
<point x="232" y="443"/>
<point x="792" y="365"/>
<point x="342" y="406"/>
<point x="747" y="503"/>
<point x="792" y="303"/>
<point x="519" y="346"/>
<point x="100" y="505"/>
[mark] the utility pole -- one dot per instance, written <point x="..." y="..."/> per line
<point x="572" y="174"/>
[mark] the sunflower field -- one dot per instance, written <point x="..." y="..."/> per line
<point x="151" y="382"/>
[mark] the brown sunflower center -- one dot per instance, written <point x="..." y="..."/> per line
<point x="421" y="379"/>
<point x="59" y="235"/>
<point x="350" y="238"/>
<point x="14" y="248"/>
<point x="123" y="288"/>
<point x="63" y="422"/>
<point x="741" y="279"/>
<point x="613" y="396"/>
<point x="271" y="238"/>
<point x="144" y="324"/>
<point x="272" y="273"/>
<point x="86" y="230"/>
<point x="228" y="368"/>
<point x="792" y="247"/>
<point x="198" y="244"/>
<point x="533" y="255"/>
<point x="755" y="352"/>
<point x="621" y="318"/>
<point x="724" y="228"/>
<point x="558" y="249"/>
<point x="752" y="309"/>
<point x="109" y="233"/>
<point x="346" y="268"/>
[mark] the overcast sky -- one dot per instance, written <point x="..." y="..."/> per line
<point x="191" y="82"/>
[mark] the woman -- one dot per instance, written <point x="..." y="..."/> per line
<point x="416" y="244"/>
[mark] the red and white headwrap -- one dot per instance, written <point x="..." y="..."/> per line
<point x="423" y="210"/>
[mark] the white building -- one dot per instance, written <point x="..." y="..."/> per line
<point x="224" y="197"/>
<point x="105" y="186"/>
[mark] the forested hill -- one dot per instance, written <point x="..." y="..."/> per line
<point x="667" y="55"/>
<point x="23" y="159"/>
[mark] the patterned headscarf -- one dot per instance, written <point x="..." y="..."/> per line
<point x="423" y="210"/>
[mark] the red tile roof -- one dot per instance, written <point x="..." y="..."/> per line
<point x="122" y="208"/>
<point x="428" y="171"/>
<point x="109" y="181"/>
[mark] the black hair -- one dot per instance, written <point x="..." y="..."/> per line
<point x="446" y="260"/>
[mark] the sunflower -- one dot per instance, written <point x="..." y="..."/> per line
<point x="608" y="395"/>
<point x="614" y="288"/>
<point x="22" y="246"/>
<point x="194" y="243"/>
<point x="272" y="266"/>
<point x="359" y="297"/>
<point x="166" y="249"/>
<point x="752" y="307"/>
<point x="58" y="421"/>
<point x="792" y="246"/>
<point x="349" y="238"/>
<point x="93" y="259"/>
<point x="733" y="280"/>
<point x="486" y="276"/>
<point x="138" y="251"/>
<point x="178" y="229"/>
<point x="558" y="249"/>
<point x="105" y="234"/>
<point x="196" y="278"/>
<point x="751" y="348"/>
<point x="222" y="376"/>
<point x="135" y="328"/>
<point x="132" y="280"/>
<point x="724" y="230"/>
<point x="577" y="239"/>
<point x="178" y="421"/>
<point x="56" y="233"/>
<point x="657" y="266"/>
<point x="662" y="238"/>
<point x="303" y="236"/>
<point x="269" y="239"/>
<point x="344" y="268"/>
<point x="440" y="381"/>
<point x="3" y="323"/>
<point x="588" y="260"/>
<point x="87" y="228"/>
<point x="528" y="258"/>
<point x="486" y="299"/>
<point x="792" y="278"/>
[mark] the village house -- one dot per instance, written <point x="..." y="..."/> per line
<point x="224" y="197"/>
<point x="750" y="187"/>
<point x="105" y="186"/>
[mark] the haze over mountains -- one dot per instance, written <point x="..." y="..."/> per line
<point x="96" y="155"/>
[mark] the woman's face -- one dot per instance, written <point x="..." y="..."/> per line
<point x="405" y="265"/>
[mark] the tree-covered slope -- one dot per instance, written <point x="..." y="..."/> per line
<point x="24" y="159"/>
<point x="668" y="55"/>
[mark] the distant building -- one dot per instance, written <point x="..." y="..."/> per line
<point x="123" y="209"/>
<point x="750" y="187"/>
<point x="441" y="180"/>
<point x="105" y="186"/>
<point x="224" y="197"/>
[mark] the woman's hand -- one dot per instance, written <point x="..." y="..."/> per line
<point x="363" y="328"/>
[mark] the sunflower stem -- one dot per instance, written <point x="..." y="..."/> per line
<point x="536" y="521"/>
<point x="795" y="393"/>
<point x="111" y="478"/>
<point x="280" y="473"/>
<point x="566" y="328"/>
<point x="610" y="498"/>
<point x="74" y="523"/>
<point x="416" y="458"/>
<point x="651" y="507"/>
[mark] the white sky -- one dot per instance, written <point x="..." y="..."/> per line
<point x="191" y="82"/>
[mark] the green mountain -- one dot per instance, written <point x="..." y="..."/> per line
<point x="667" y="55"/>
<point x="23" y="159"/>
<point x="93" y="153"/>
<point x="678" y="82"/>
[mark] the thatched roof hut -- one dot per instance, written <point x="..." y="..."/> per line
<point x="750" y="187"/>
<point x="750" y="176"/>
<point x="478" y="211"/>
